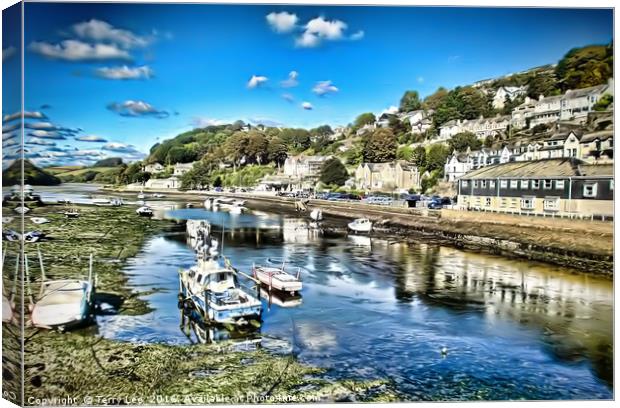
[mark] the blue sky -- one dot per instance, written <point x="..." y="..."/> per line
<point x="124" y="76"/>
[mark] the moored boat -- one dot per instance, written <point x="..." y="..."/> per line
<point x="316" y="215"/>
<point x="277" y="279"/>
<point x="39" y="220"/>
<point x="144" y="211"/>
<point x="71" y="213"/>
<point x="360" y="225"/>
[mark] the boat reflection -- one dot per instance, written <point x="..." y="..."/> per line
<point x="279" y="298"/>
<point x="198" y="331"/>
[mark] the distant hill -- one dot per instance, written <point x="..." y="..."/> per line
<point x="32" y="175"/>
<point x="109" y="162"/>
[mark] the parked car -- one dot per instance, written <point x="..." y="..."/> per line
<point x="218" y="189"/>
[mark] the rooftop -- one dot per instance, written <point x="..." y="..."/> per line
<point x="540" y="168"/>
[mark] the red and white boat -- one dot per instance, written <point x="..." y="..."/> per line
<point x="277" y="278"/>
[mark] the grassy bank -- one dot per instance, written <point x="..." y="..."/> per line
<point x="95" y="371"/>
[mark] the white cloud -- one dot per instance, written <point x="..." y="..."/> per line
<point x="100" y="31"/>
<point x="40" y="142"/>
<point x="91" y="138"/>
<point x="40" y="125"/>
<point x="307" y="106"/>
<point x="75" y="50"/>
<point x="282" y="22"/>
<point x="27" y="115"/>
<point x="324" y="87"/>
<point x="420" y="79"/>
<point x="265" y="122"/>
<point x="47" y="134"/>
<point x="121" y="148"/>
<point x="8" y="53"/>
<point x="125" y="72"/>
<point x="329" y="29"/>
<point x="291" y="81"/>
<point x="357" y="36"/>
<point x="199" y="122"/>
<point x="288" y="97"/>
<point x="131" y="108"/>
<point x="256" y="81"/>
<point x="391" y="110"/>
<point x="307" y="40"/>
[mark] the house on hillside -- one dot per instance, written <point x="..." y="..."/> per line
<point x="551" y="186"/>
<point x="577" y="103"/>
<point x="597" y="147"/>
<point x="182" y="168"/>
<point x="457" y="165"/>
<point x="170" y="183"/>
<point x="507" y="92"/>
<point x="420" y="120"/>
<point x="304" y="166"/>
<point x="481" y="127"/>
<point x="398" y="175"/>
<point x="153" y="168"/>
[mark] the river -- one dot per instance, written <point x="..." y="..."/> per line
<point x="379" y="308"/>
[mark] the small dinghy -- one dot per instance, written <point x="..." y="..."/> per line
<point x="33" y="236"/>
<point x="72" y="213"/>
<point x="144" y="211"/>
<point x="158" y="195"/>
<point x="7" y="220"/>
<point x="21" y="209"/>
<point x="360" y="225"/>
<point x="10" y="235"/>
<point x="277" y="279"/>
<point x="62" y="304"/>
<point x="316" y="215"/>
<point x="39" y="220"/>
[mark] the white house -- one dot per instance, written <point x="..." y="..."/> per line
<point x="507" y="92"/>
<point x="182" y="168"/>
<point x="457" y="165"/>
<point x="170" y="183"/>
<point x="304" y="166"/>
<point x="420" y="120"/>
<point x="153" y="168"/>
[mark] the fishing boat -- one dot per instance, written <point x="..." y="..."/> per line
<point x="63" y="304"/>
<point x="278" y="279"/>
<point x="197" y="228"/>
<point x="360" y="225"/>
<point x="214" y="291"/>
<point x="39" y="220"/>
<point x="316" y="215"/>
<point x="145" y="211"/>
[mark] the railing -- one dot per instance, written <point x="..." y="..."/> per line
<point x="572" y="216"/>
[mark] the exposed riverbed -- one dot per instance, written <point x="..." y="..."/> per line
<point x="374" y="309"/>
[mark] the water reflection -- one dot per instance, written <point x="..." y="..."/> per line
<point x="375" y="308"/>
<point x="197" y="331"/>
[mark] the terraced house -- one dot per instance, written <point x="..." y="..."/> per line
<point x="398" y="175"/>
<point x="561" y="186"/>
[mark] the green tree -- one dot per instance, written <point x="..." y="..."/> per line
<point x="277" y="151"/>
<point x="542" y="84"/>
<point x="364" y="119"/>
<point x="217" y="182"/>
<point x="461" y="141"/>
<point x="322" y="131"/>
<point x="436" y="99"/>
<point x="586" y="66"/>
<point x="488" y="141"/>
<point x="179" y="154"/>
<point x="418" y="156"/>
<point x="404" y="153"/>
<point x="333" y="172"/>
<point x="603" y="103"/>
<point x="436" y="157"/>
<point x="410" y="101"/>
<point x="380" y="146"/>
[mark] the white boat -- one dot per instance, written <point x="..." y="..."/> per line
<point x="7" y="220"/>
<point x="21" y="209"/>
<point x="11" y="235"/>
<point x="101" y="201"/>
<point x="280" y="298"/>
<point x="214" y="291"/>
<point x="316" y="215"/>
<point x="108" y="202"/>
<point x="141" y="196"/>
<point x="63" y="304"/>
<point x="235" y="209"/>
<point x="208" y="203"/>
<point x="71" y="213"/>
<point x="145" y="211"/>
<point x="39" y="220"/>
<point x="32" y="236"/>
<point x="7" y="309"/>
<point x="360" y="225"/>
<point x="158" y="195"/>
<point x="277" y="279"/>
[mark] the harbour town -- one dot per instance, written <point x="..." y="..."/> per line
<point x="296" y="233"/>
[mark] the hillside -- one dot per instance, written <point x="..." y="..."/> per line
<point x="32" y="175"/>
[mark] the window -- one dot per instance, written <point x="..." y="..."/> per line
<point x="492" y="183"/>
<point x="527" y="203"/>
<point x="503" y="202"/>
<point x="611" y="185"/>
<point x="483" y="183"/>
<point x="551" y="203"/>
<point x="514" y="183"/>
<point x="547" y="184"/>
<point x="589" y="190"/>
<point x="524" y="183"/>
<point x="465" y="183"/>
<point x="487" y="201"/>
<point x="559" y="184"/>
<point x="513" y="203"/>
<point x="503" y="183"/>
<point x="535" y="183"/>
<point x="476" y="183"/>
